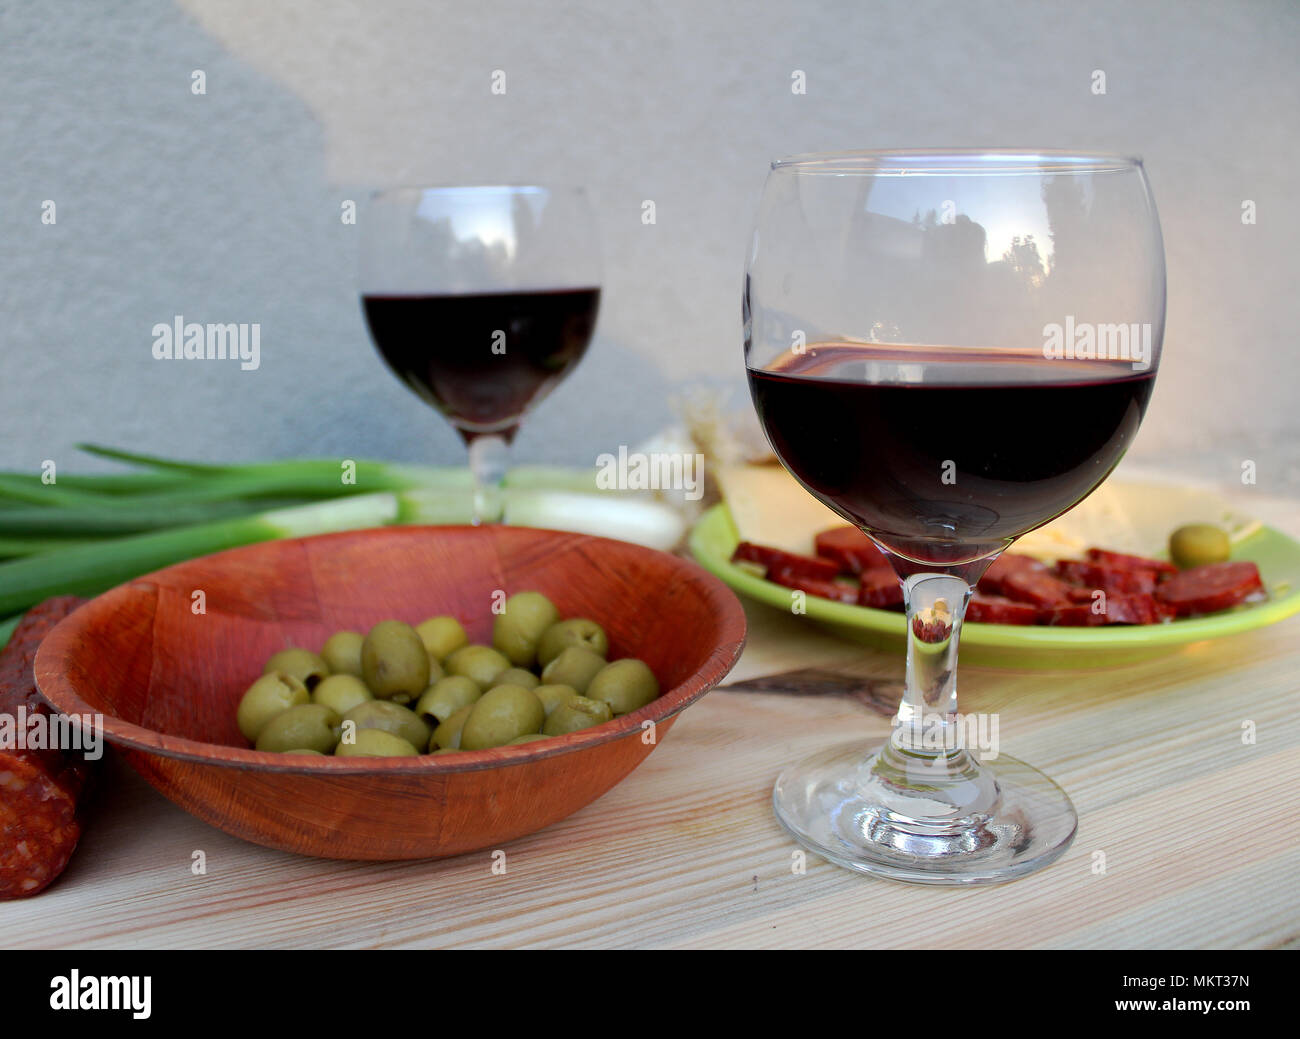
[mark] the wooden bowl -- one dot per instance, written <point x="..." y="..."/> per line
<point x="167" y="679"/>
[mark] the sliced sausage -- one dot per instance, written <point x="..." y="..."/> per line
<point x="996" y="609"/>
<point x="850" y="549"/>
<point x="1205" y="589"/>
<point x="790" y="562"/>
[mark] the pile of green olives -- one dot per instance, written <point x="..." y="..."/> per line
<point x="401" y="691"/>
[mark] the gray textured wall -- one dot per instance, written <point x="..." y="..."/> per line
<point x="225" y="207"/>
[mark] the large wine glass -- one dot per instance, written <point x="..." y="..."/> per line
<point x="948" y="349"/>
<point x="481" y="299"/>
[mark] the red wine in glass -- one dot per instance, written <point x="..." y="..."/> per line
<point x="948" y="466"/>
<point x="483" y="359"/>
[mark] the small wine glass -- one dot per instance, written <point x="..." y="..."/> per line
<point x="481" y="299"/>
<point x="948" y="349"/>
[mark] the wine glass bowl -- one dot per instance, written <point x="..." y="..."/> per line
<point x="949" y="349"/>
<point x="481" y="299"/>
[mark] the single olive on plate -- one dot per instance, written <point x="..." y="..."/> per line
<point x="310" y="725"/>
<point x="626" y="685"/>
<point x="341" y="693"/>
<point x="388" y="716"/>
<point x="270" y="695"/>
<point x="447" y="696"/>
<point x="580" y="712"/>
<point x="577" y="631"/>
<point x="501" y="714"/>
<point x="447" y="735"/>
<point x="342" y="653"/>
<point x="394" y="662"/>
<point x="442" y="636"/>
<point x="575" y="666"/>
<point x="376" y="743"/>
<point x="517" y="631"/>
<point x="481" y="663"/>
<point x="1198" y="544"/>
<point x="303" y="664"/>
<point x="554" y="695"/>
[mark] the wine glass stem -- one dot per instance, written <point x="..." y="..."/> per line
<point x="927" y="714"/>
<point x="488" y="457"/>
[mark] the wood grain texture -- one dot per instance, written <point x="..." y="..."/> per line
<point x="168" y="680"/>
<point x="1199" y="831"/>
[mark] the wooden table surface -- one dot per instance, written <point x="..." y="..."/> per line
<point x="1199" y="831"/>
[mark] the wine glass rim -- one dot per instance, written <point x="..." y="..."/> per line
<point x="949" y="161"/>
<point x="485" y="189"/>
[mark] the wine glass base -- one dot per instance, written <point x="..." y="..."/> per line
<point x="829" y="804"/>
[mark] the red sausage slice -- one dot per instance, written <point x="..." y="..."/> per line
<point x="1205" y="589"/>
<point x="1127" y="562"/>
<point x="1110" y="579"/>
<point x="850" y="549"/>
<point x="774" y="558"/>
<point x="1033" y="586"/>
<point x="1119" y="609"/>
<point x="1003" y="567"/>
<point x="838" y="591"/>
<point x="995" y="609"/>
<point x="880" y="588"/>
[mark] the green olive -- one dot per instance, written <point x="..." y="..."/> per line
<point x="528" y="737"/>
<point x="517" y="631"/>
<point x="394" y="662"/>
<point x="342" y="653"/>
<point x="435" y="668"/>
<point x="1198" y="544"/>
<point x="310" y="725"/>
<point x="500" y="715"/>
<point x="517" y="676"/>
<point x="575" y="666"/>
<point x="447" y="735"/>
<point x="445" y="750"/>
<point x="376" y="743"/>
<point x="626" y="685"/>
<point x="481" y="663"/>
<point x="575" y="632"/>
<point x="442" y="636"/>
<point x="386" y="715"/>
<point x="303" y="664"/>
<point x="554" y="695"/>
<point x="341" y="693"/>
<point x="268" y="696"/>
<point x="580" y="712"/>
<point x="447" y="696"/>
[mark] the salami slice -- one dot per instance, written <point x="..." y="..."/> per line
<point x="1110" y="579"/>
<point x="41" y="791"/>
<point x="996" y="609"/>
<point x="850" y="549"/>
<point x="1141" y="608"/>
<point x="880" y="589"/>
<point x="1034" y="586"/>
<point x="839" y="591"/>
<point x="789" y="562"/>
<point x="1205" y="589"/>
<point x="1003" y="567"/>
<point x="1122" y="561"/>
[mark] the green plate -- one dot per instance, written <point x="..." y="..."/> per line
<point x="714" y="538"/>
